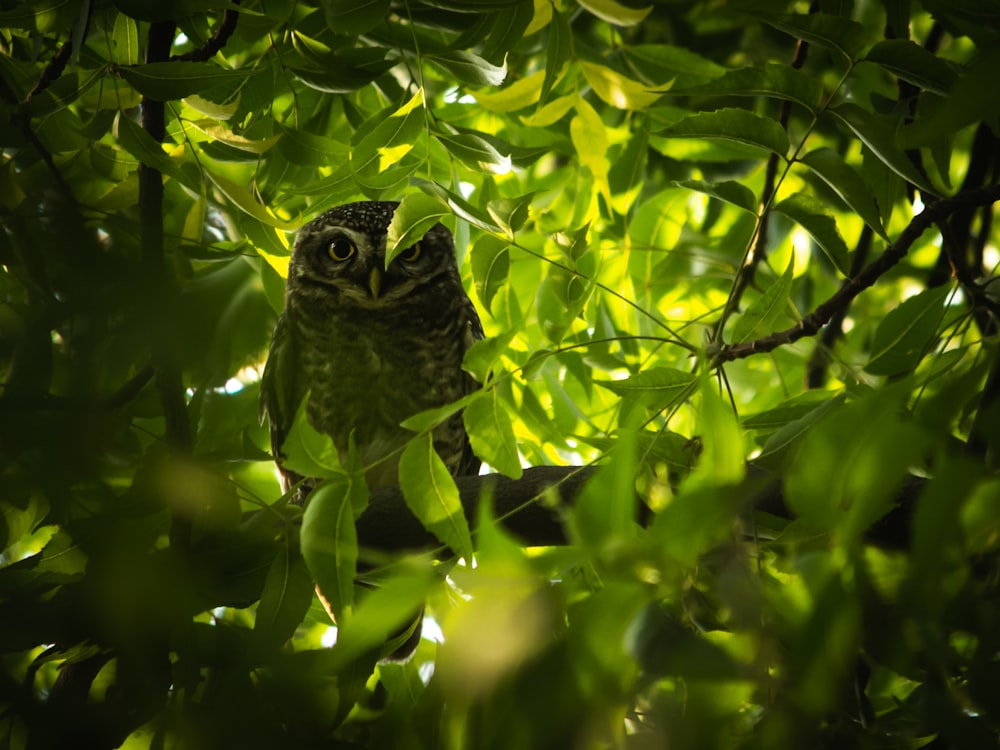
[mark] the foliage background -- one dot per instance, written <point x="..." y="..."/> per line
<point x="659" y="209"/>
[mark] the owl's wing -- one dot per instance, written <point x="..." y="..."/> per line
<point x="279" y="391"/>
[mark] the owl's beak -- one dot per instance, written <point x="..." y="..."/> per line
<point x="375" y="281"/>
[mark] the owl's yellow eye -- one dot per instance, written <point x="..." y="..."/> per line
<point x="411" y="254"/>
<point x="341" y="250"/>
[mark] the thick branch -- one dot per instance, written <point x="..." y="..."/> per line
<point x="532" y="508"/>
<point x="819" y="317"/>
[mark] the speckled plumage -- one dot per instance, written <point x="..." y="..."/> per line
<point x="372" y="346"/>
<point x="371" y="360"/>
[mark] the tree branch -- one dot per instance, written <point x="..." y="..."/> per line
<point x="819" y="317"/>
<point x="218" y="40"/>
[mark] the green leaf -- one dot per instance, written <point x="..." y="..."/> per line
<point x="723" y="460"/>
<point x="848" y="183"/>
<point x="492" y="434"/>
<point x="354" y="17"/>
<point x="559" y="51"/>
<point x="385" y="143"/>
<point x="166" y="81"/>
<point x="619" y="90"/>
<point x="729" y="191"/>
<point x="812" y="216"/>
<point x="141" y="145"/>
<point x="430" y="418"/>
<point x="330" y="543"/>
<point x="737" y="125"/>
<point x="244" y="200"/>
<point x="605" y="510"/>
<point x="514" y="96"/>
<point x="482" y="355"/>
<point x="414" y="216"/>
<point x="307" y="452"/>
<point x="911" y="62"/>
<point x="833" y="32"/>
<point x="125" y="41"/>
<point x="790" y="433"/>
<point x="287" y="594"/>
<point x="881" y="141"/>
<point x="475" y="151"/>
<point x="391" y="605"/>
<point x="469" y="68"/>
<point x="490" y="267"/>
<point x="769" y="79"/>
<point x="758" y="319"/>
<point x="431" y="495"/>
<point x="904" y="335"/>
<point x="616" y="13"/>
<point x="654" y="387"/>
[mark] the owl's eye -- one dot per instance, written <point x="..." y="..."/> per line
<point x="411" y="254"/>
<point x="341" y="250"/>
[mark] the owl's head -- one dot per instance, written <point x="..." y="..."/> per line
<point x="339" y="258"/>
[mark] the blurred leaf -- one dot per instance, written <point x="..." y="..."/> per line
<point x="492" y="434"/>
<point x="904" y="335"/>
<point x="616" y="13"/>
<point x="288" y="591"/>
<point x="351" y="17"/>
<point x="432" y="497"/>
<point x="605" y="510"/>
<point x="758" y="319"/>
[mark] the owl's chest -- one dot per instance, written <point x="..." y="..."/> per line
<point x="367" y="374"/>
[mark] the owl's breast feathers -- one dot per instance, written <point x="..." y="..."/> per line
<point x="369" y="369"/>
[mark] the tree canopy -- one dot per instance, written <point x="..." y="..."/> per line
<point x="737" y="268"/>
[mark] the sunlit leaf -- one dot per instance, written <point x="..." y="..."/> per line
<point x="490" y="266"/>
<point x="491" y="434"/>
<point x="432" y="497"/>
<point x="411" y="220"/>
<point x="812" y="216"/>
<point x="654" y="387"/>
<point x="616" y="13"/>
<point x="729" y="191"/>
<point x="618" y="90"/>
<point x="469" y="68"/>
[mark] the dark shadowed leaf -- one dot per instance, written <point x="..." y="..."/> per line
<point x="903" y="338"/>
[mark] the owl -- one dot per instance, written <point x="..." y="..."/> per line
<point x="372" y="345"/>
